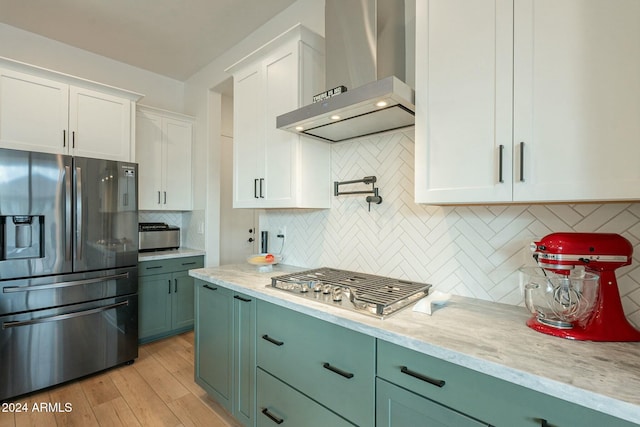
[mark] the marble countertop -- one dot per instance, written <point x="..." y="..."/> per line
<point x="171" y="253"/>
<point x="488" y="337"/>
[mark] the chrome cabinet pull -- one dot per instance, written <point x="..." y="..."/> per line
<point x="272" y="417"/>
<point x="158" y="197"/>
<point x="337" y="370"/>
<point x="165" y="197"/>
<point x="435" y="382"/>
<point x="7" y="325"/>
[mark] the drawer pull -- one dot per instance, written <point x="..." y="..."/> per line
<point x="272" y="341"/>
<point x="189" y="263"/>
<point x="241" y="299"/>
<point x="271" y="416"/>
<point x="437" y="383"/>
<point x="210" y="288"/>
<point x="153" y="268"/>
<point x="337" y="371"/>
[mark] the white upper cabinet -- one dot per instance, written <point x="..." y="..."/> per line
<point x="45" y="111"/>
<point x="274" y="168"/>
<point x="527" y="101"/>
<point x="164" y="143"/>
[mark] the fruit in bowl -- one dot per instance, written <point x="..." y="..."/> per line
<point x="263" y="259"/>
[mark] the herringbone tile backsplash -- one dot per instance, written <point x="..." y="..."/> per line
<point x="466" y="250"/>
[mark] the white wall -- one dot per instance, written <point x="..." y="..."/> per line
<point x="23" y="46"/>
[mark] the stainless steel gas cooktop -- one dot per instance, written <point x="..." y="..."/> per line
<point x="365" y="293"/>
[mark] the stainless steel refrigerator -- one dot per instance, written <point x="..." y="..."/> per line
<point x="68" y="268"/>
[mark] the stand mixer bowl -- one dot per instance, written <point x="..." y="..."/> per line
<point x="560" y="300"/>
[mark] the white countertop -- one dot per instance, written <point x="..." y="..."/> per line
<point x="484" y="336"/>
<point x="171" y="253"/>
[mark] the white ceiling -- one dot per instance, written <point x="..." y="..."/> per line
<point x="174" y="38"/>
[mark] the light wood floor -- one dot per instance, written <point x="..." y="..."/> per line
<point x="157" y="390"/>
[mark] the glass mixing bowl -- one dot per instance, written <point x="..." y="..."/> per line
<point x="560" y="300"/>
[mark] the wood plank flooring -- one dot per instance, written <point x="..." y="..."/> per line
<point x="157" y="390"/>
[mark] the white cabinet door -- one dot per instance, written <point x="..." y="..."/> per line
<point x="33" y="113"/>
<point x="463" y="101"/>
<point x="274" y="168"/>
<point x="248" y="138"/>
<point x="281" y="92"/>
<point x="177" y="169"/>
<point x="100" y="125"/>
<point x="163" y="150"/>
<point x="149" y="157"/>
<point x="577" y="99"/>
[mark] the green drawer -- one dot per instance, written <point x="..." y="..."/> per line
<point x="169" y="265"/>
<point x="331" y="364"/>
<point x="481" y="396"/>
<point x="277" y="401"/>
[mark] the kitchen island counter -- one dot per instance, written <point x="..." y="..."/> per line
<point x="487" y="337"/>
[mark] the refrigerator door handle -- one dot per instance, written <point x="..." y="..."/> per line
<point x="13" y="289"/>
<point x="14" y="324"/>
<point x="79" y="230"/>
<point x="67" y="201"/>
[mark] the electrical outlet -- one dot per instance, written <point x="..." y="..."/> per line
<point x="282" y="232"/>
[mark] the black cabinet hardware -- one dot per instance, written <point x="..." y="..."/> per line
<point x="153" y="268"/>
<point x="189" y="263"/>
<point x="435" y="382"/>
<point x="169" y="285"/>
<point x="500" y="179"/>
<point x="210" y="288"/>
<point x="337" y="371"/>
<point x="255" y="188"/>
<point x="175" y="286"/>
<point x="238" y="297"/>
<point x="272" y="417"/>
<point x="272" y="340"/>
<point x="522" y="162"/>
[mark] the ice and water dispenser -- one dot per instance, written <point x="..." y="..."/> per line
<point x="21" y="237"/>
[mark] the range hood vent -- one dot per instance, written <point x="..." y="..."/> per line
<point x="365" y="50"/>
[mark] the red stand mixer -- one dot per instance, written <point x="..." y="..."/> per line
<point x="574" y="294"/>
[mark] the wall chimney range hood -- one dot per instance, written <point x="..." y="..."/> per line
<point x="365" y="51"/>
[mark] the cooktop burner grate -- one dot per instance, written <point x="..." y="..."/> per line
<point x="377" y="295"/>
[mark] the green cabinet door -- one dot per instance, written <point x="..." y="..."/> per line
<point x="214" y="341"/>
<point x="182" y="301"/>
<point x="397" y="407"/>
<point x="244" y="358"/>
<point x="154" y="305"/>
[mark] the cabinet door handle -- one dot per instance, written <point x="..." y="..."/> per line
<point x="165" y="197"/>
<point x="210" y="288"/>
<point x="337" y="370"/>
<point x="272" y="417"/>
<point x="169" y="285"/>
<point x="500" y="179"/>
<point x="261" y="182"/>
<point x="73" y="139"/>
<point x="158" y="197"/>
<point x="241" y="299"/>
<point x="255" y="188"/>
<point x="175" y="286"/>
<point x="435" y="382"/>
<point x="522" y="162"/>
<point x="64" y="137"/>
<point x="272" y="340"/>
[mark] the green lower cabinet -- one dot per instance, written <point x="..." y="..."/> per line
<point x="330" y="364"/>
<point x="225" y="360"/>
<point x="397" y="407"/>
<point x="481" y="397"/>
<point x="166" y="297"/>
<point x="280" y="404"/>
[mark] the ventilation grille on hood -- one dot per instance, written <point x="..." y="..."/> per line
<point x="365" y="48"/>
